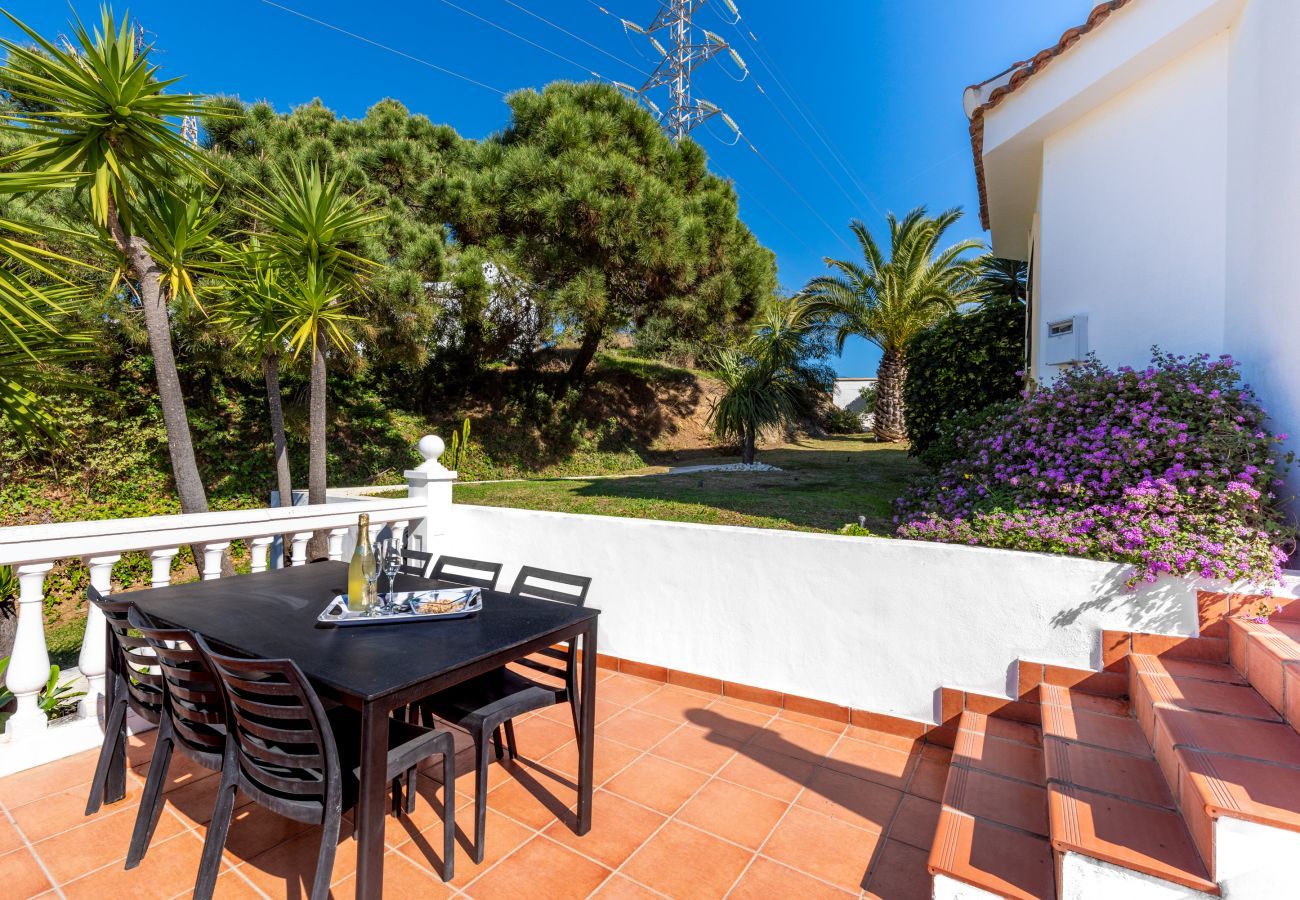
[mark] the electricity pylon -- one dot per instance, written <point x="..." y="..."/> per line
<point x="678" y="61"/>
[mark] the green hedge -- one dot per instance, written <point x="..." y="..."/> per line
<point x="958" y="367"/>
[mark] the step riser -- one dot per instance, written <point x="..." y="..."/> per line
<point x="1084" y="878"/>
<point x="1271" y="662"/>
<point x="1255" y="860"/>
<point x="946" y="888"/>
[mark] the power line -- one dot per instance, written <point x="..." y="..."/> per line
<point x="384" y="47"/>
<point x="813" y="209"/>
<point x="520" y="37"/>
<point x="576" y="37"/>
<point x="762" y="206"/>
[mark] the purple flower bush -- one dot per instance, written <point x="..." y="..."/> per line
<point x="1170" y="469"/>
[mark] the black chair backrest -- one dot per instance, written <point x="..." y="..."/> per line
<point x="192" y="693"/>
<point x="532" y="582"/>
<point x="416" y="562"/>
<point x="287" y="756"/>
<point x="131" y="658"/>
<point x="471" y="572"/>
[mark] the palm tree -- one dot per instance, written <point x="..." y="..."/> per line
<point x="765" y="383"/>
<point x="100" y="111"/>
<point x="1002" y="279"/>
<point x="887" y="300"/>
<point x="310" y="227"/>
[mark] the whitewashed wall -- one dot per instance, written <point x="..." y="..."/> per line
<point x="873" y="623"/>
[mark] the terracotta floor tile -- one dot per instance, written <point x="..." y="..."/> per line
<point x="989" y="754"/>
<point x="1154" y="841"/>
<point x="50" y="815"/>
<point x="1001" y="800"/>
<point x="766" y="879"/>
<point x="610" y="758"/>
<point x="427" y="815"/>
<point x="540" y="868"/>
<point x="1195" y="668"/>
<point x="1097" y="703"/>
<point x="1269" y="741"/>
<point x="813" y="721"/>
<point x="884" y="739"/>
<point x="773" y="774"/>
<point x="862" y="803"/>
<point x="697" y="749"/>
<point x="288" y="869"/>
<point x="731" y="719"/>
<point x="675" y="703"/>
<point x="403" y="877"/>
<point x="504" y="836"/>
<point x="562" y="713"/>
<point x="625" y="689"/>
<point x="102" y="840"/>
<point x="657" y="783"/>
<point x="255" y="829"/>
<point x="929" y="776"/>
<point x="1213" y="696"/>
<point x="539" y="737"/>
<point x="637" y="729"/>
<point x="900" y="873"/>
<point x="1244" y="788"/>
<point x="1003" y="861"/>
<point x="914" y="822"/>
<point x="51" y="778"/>
<point x="1122" y="774"/>
<point x="1007" y="730"/>
<point x="684" y="862"/>
<point x="619" y="887"/>
<point x="732" y="812"/>
<point x="21" y="874"/>
<point x="1109" y="732"/>
<point x="10" y="839"/>
<point x="829" y="849"/>
<point x="170" y="868"/>
<point x="795" y="740"/>
<point x="532" y="798"/>
<point x="874" y="762"/>
<point x="619" y="828"/>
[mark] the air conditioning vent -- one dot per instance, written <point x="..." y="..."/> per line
<point x="1067" y="341"/>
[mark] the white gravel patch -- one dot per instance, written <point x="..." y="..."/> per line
<point x="725" y="467"/>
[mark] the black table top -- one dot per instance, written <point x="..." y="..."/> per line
<point x="273" y="615"/>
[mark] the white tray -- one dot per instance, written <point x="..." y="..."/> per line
<point x="337" y="612"/>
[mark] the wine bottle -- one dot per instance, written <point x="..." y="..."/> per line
<point x="361" y="568"/>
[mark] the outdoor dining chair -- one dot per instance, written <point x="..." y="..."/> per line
<point x="132" y="683"/>
<point x="486" y="704"/>
<point x="469" y="572"/>
<point x="286" y="753"/>
<point x="416" y="562"/>
<point x="193" y="720"/>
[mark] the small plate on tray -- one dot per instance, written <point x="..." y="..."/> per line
<point x="407" y="606"/>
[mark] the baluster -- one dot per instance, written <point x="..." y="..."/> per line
<point x="336" y="543"/>
<point x="161" y="562"/>
<point x="91" y="661"/>
<point x="257" y="549"/>
<point x="29" y="663"/>
<point x="399" y="533"/>
<point x="212" y="554"/>
<point x="300" y="539"/>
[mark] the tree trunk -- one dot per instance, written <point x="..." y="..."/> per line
<point x="890" y="421"/>
<point x="283" y="477"/>
<point x="748" y="446"/>
<point x="318" y="546"/>
<point x="586" y="352"/>
<point x="180" y="445"/>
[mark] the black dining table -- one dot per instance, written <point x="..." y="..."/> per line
<point x="376" y="669"/>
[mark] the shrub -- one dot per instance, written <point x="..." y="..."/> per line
<point x="842" y="421"/>
<point x="1169" y="469"/>
<point x="960" y="365"/>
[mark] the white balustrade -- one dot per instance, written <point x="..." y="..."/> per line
<point x="93" y="660"/>
<point x="161" y="563"/>
<point x="32" y="551"/>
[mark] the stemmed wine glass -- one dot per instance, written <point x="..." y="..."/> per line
<point x="372" y="576"/>
<point x="392" y="565"/>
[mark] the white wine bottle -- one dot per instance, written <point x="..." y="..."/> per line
<point x="361" y="569"/>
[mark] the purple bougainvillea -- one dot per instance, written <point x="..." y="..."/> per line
<point x="1170" y="468"/>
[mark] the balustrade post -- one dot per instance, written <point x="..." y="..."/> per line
<point x="430" y="482"/>
<point x="160" y="561"/>
<point x="300" y="540"/>
<point x="92" y="661"/>
<point x="257" y="550"/>
<point x="336" y="543"/>
<point x="399" y="533"/>
<point x="29" y="663"/>
<point x="212" y="554"/>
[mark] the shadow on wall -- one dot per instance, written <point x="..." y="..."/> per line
<point x="1163" y="607"/>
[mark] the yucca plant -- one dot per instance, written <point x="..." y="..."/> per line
<point x="98" y="110"/>
<point x="889" y="299"/>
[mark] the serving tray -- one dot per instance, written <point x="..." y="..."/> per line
<point x="404" y="605"/>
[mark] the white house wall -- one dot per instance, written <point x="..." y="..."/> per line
<point x="1132" y="202"/>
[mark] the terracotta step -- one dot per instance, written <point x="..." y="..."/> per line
<point x="1268" y="655"/>
<point x="1223" y="749"/>
<point x="993" y="825"/>
<point x="1108" y="798"/>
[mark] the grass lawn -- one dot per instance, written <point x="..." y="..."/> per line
<point x="826" y="484"/>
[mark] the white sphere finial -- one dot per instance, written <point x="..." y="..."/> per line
<point x="431" y="447"/>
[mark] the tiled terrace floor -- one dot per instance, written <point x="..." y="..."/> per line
<point x="698" y="796"/>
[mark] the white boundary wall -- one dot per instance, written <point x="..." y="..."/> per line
<point x="873" y="623"/>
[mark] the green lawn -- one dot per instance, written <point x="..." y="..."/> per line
<point x="826" y="483"/>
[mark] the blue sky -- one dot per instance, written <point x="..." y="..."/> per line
<point x="859" y="111"/>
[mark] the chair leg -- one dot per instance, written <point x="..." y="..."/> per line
<point x="511" y="747"/>
<point x="215" y="841"/>
<point x="496" y="742"/>
<point x="410" y="790"/>
<point x="449" y="813"/>
<point x="320" y="887"/>
<point x="573" y="708"/>
<point x="114" y="747"/>
<point x="397" y="796"/>
<point x="151" y="802"/>
<point x="480" y="794"/>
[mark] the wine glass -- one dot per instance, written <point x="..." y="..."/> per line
<point x="392" y="565"/>
<point x="372" y="576"/>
